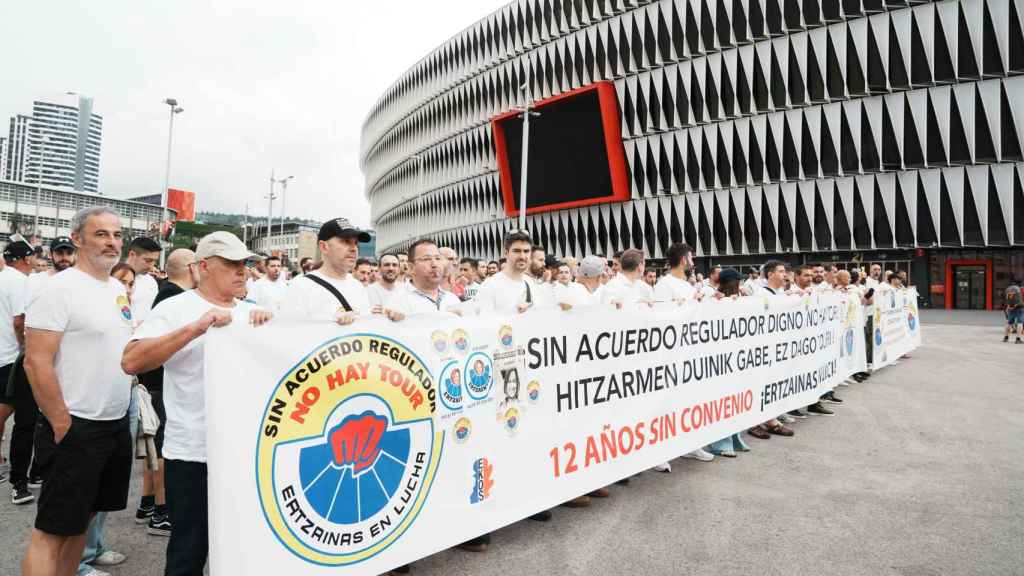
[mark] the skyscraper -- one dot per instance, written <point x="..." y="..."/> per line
<point x="58" y="145"/>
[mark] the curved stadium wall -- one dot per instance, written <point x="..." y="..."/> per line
<point x="749" y="127"/>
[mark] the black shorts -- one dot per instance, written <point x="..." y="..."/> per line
<point x="157" y="399"/>
<point x="6" y="396"/>
<point x="88" y="472"/>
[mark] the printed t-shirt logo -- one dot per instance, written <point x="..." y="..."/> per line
<point x="126" y="309"/>
<point x="348" y="449"/>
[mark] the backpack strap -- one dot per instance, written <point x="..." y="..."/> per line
<point x="330" y="288"/>
<point x="529" y="295"/>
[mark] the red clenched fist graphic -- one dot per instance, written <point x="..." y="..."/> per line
<point x="356" y="441"/>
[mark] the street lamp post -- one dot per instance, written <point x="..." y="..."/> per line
<point x="174" y="109"/>
<point x="270" y="211"/>
<point x="527" y="113"/>
<point x="284" y="195"/>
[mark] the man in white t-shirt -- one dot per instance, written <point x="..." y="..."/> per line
<point x="511" y="289"/>
<point x="331" y="293"/>
<point x="709" y="286"/>
<point x="469" y="277"/>
<point x="172" y="336"/>
<point x="74" y="333"/>
<point x="424" y="295"/>
<point x="586" y="290"/>
<point x="268" y="292"/>
<point x="674" y="286"/>
<point x="143" y="255"/>
<point x="20" y="264"/>
<point x="628" y="289"/>
<point x="380" y="291"/>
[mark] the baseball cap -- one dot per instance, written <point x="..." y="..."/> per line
<point x="341" y="228"/>
<point x="61" y="243"/>
<point x="591" y="267"/>
<point x="18" y="249"/>
<point x="223" y="244"/>
<point x="551" y="262"/>
<point x="729" y="274"/>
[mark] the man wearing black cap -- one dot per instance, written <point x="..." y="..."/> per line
<point x="17" y="397"/>
<point x="331" y="293"/>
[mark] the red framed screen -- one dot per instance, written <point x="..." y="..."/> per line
<point x="576" y="156"/>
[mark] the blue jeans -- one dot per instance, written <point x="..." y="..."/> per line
<point x="94" y="546"/>
<point x="733" y="442"/>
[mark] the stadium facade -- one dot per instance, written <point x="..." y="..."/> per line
<point x="818" y="130"/>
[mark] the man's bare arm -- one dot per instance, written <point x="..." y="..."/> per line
<point x="40" y="350"/>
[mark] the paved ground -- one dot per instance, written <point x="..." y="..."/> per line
<point x="921" y="473"/>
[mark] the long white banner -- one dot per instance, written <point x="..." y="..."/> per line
<point x="355" y="450"/>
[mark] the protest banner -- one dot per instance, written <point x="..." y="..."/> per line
<point x="897" y="324"/>
<point x="353" y="450"/>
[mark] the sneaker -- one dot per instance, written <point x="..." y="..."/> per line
<point x="35" y="483"/>
<point x="797" y="414"/>
<point x="831" y="397"/>
<point x="1006" y="338"/>
<point x="622" y="482"/>
<point x="786" y="419"/>
<point x="666" y="468"/>
<point x="600" y="493"/>
<point x="728" y="453"/>
<point x="159" y="525"/>
<point x="21" y="495"/>
<point x="144" y="514"/>
<point x="700" y="454"/>
<point x="90" y="571"/>
<point x="819" y="410"/>
<point x="577" y="502"/>
<point x="478" y="544"/>
<point x="3" y="478"/>
<point x="542" y="516"/>
<point x="1019" y="341"/>
<point x="108" y="558"/>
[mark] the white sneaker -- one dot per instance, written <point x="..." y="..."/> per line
<point x="666" y="468"/>
<point x="109" y="558"/>
<point x="94" y="572"/>
<point x="700" y="454"/>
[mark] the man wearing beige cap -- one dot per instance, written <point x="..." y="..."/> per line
<point x="172" y="336"/>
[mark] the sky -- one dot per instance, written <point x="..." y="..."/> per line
<point x="281" y="86"/>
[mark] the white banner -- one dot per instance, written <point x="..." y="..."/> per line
<point x="897" y="324"/>
<point x="355" y="450"/>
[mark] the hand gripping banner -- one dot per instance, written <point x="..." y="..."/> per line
<point x="353" y="450"/>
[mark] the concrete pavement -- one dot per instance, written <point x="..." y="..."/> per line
<point x="920" y="473"/>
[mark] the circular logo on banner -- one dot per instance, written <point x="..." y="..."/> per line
<point x="451" y="386"/>
<point x="347" y="449"/>
<point x="440" y="340"/>
<point x="505" y="336"/>
<point x="463" y="427"/>
<point x="849" y="342"/>
<point x="533" y="391"/>
<point x="911" y="321"/>
<point x="460" y="340"/>
<point x="478" y="375"/>
<point x="126" y="309"/>
<point x="511" y="420"/>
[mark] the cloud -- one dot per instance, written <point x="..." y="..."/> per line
<point x="265" y="85"/>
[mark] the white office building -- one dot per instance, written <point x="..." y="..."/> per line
<point x="58" y="145"/>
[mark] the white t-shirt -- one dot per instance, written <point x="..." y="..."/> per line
<point x="628" y="292"/>
<point x="706" y="289"/>
<point x="308" y="300"/>
<point x="411" y="301"/>
<point x="184" y="381"/>
<point x="499" y="293"/>
<point x="33" y="288"/>
<point x="578" y="296"/>
<point x="268" y="294"/>
<point x="143" y="295"/>
<point x="96" y="323"/>
<point x="12" y="296"/>
<point x="768" y="291"/>
<point x="669" y="288"/>
<point x="379" y="295"/>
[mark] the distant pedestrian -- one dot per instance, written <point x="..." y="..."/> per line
<point x="1014" y="312"/>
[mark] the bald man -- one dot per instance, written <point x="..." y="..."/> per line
<point x="182" y="275"/>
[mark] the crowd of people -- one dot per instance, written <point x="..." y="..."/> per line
<point x="101" y="364"/>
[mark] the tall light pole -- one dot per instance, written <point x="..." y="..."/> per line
<point x="175" y="109"/>
<point x="270" y="209"/>
<point x="284" y="194"/>
<point x="525" y="154"/>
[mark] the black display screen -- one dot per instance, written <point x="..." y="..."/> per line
<point x="568" y="153"/>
